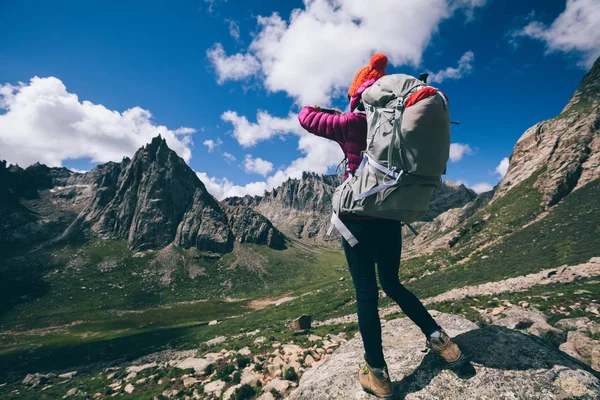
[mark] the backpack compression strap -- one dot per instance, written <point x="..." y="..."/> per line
<point x="343" y="229"/>
<point x="388" y="173"/>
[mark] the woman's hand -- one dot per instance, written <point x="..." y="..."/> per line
<point x="316" y="107"/>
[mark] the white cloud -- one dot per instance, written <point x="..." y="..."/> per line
<point x="481" y="187"/>
<point x="502" y="168"/>
<point x="458" y="150"/>
<point x="478" y="187"/>
<point x="464" y="68"/>
<point x="44" y="122"/>
<point x="212" y="144"/>
<point x="575" y="30"/>
<point x="266" y="126"/>
<point x="257" y="165"/>
<point x="79" y="171"/>
<point x="234" y="29"/>
<point x="232" y="68"/>
<point x="317" y="52"/>
<point x="318" y="156"/>
<point x="229" y="157"/>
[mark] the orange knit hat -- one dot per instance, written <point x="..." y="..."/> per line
<point x="375" y="70"/>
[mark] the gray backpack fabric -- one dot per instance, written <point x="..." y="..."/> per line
<point x="407" y="151"/>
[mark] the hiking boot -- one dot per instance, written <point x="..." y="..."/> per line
<point x="376" y="381"/>
<point x="441" y="343"/>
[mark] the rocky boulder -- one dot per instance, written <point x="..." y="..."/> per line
<point x="504" y="364"/>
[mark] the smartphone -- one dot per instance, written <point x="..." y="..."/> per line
<point x="329" y="110"/>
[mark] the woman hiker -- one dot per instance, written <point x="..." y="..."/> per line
<point x="379" y="242"/>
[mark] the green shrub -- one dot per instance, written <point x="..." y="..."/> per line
<point x="291" y="375"/>
<point x="243" y="362"/>
<point x="244" y="392"/>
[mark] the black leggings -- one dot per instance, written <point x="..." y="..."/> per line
<point x="380" y="241"/>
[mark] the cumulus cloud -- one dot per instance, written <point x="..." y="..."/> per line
<point x="502" y="168"/>
<point x="464" y="68"/>
<point x="458" y="150"/>
<point x="266" y="126"/>
<point x="575" y="30"/>
<point x="481" y="187"/>
<point x="257" y="165"/>
<point x="229" y="157"/>
<point x="232" y="68"/>
<point x="302" y="56"/>
<point x="43" y="122"/>
<point x="318" y="155"/>
<point x="478" y="187"/>
<point x="212" y="144"/>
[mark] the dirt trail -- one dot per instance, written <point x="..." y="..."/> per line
<point x="563" y="274"/>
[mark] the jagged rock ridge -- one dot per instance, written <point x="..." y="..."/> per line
<point x="150" y="201"/>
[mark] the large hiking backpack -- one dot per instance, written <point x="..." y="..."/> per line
<point x="407" y="150"/>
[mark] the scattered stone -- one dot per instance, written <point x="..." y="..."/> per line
<point x="131" y="376"/>
<point x="140" y="368"/>
<point x="309" y="360"/>
<point x="34" y="380"/>
<point x="342" y="278"/>
<point x="187" y="382"/>
<point x="215" y="387"/>
<point x="260" y="339"/>
<point x="245" y="352"/>
<point x="71" y="392"/>
<point x="115" y="385"/>
<point x="579" y="324"/>
<point x="141" y="381"/>
<point x="279" y="385"/>
<point x="592" y="309"/>
<point x="213" y="322"/>
<point x="129" y="388"/>
<point x="498" y="310"/>
<point x="249" y="379"/>
<point x="171" y="393"/>
<point x="524" y="304"/>
<point x="266" y="396"/>
<point x="276" y="344"/>
<point x="578" y="292"/>
<point x="582" y="348"/>
<point x="68" y="375"/>
<point x="216" y="341"/>
<point x="229" y="392"/>
<point x="110" y="376"/>
<point x="198" y="364"/>
<point x="303" y="322"/>
<point x="531" y="321"/>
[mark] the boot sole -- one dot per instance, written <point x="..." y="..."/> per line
<point x="387" y="396"/>
<point x="459" y="361"/>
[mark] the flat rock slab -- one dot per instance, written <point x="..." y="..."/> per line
<point x="505" y="364"/>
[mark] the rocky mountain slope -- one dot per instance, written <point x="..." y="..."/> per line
<point x="301" y="208"/>
<point x="149" y="201"/>
<point x="550" y="160"/>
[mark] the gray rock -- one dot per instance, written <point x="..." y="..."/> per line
<point x="215" y="387"/>
<point x="229" y="392"/>
<point x="249" y="378"/>
<point x="505" y="364"/>
<point x="582" y="348"/>
<point x="68" y="375"/>
<point x="531" y="321"/>
<point x="216" y="341"/>
<point x="198" y="364"/>
<point x="36" y="379"/>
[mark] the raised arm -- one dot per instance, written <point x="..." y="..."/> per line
<point x="327" y="125"/>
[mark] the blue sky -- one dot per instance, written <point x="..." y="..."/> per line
<point x="200" y="71"/>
